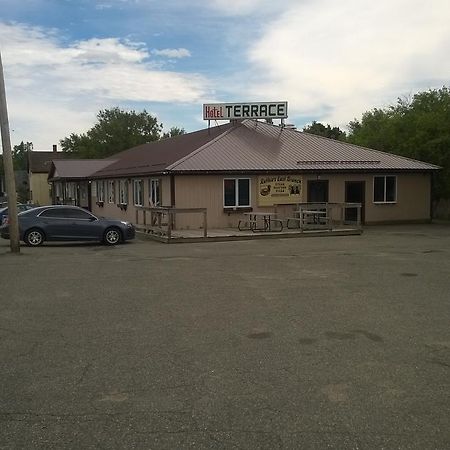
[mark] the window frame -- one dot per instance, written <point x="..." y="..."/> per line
<point x="100" y="191"/>
<point x="111" y="191"/>
<point x="385" y="202"/>
<point x="123" y="192"/>
<point x="236" y="199"/>
<point x="151" y="191"/>
<point x="138" y="196"/>
<point x="70" y="190"/>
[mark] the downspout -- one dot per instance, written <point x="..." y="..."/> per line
<point x="172" y="198"/>
<point x="89" y="193"/>
<point x="172" y="191"/>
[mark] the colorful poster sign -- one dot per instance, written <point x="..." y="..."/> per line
<point x="279" y="190"/>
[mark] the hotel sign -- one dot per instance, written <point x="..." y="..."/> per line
<point x="279" y="190"/>
<point x="230" y="111"/>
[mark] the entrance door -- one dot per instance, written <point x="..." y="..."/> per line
<point x="317" y="191"/>
<point x="355" y="193"/>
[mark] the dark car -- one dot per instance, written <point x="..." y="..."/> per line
<point x="21" y="207"/>
<point x="68" y="223"/>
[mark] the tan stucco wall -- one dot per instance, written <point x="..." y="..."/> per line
<point x="113" y="211"/>
<point x="40" y="189"/>
<point x="413" y="196"/>
<point x="206" y="191"/>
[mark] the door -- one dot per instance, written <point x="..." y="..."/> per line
<point x="83" y="225"/>
<point x="54" y="223"/>
<point x="317" y="191"/>
<point x="355" y="193"/>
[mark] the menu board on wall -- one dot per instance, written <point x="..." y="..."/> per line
<point x="279" y="190"/>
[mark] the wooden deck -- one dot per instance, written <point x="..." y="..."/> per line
<point x="233" y="234"/>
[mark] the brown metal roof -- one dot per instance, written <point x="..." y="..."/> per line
<point x="258" y="146"/>
<point x="155" y="157"/>
<point x="40" y="162"/>
<point x="76" y="168"/>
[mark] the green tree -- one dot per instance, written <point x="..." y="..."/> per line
<point x="115" y="130"/>
<point x="174" y="131"/>
<point x="20" y="155"/>
<point x="417" y="127"/>
<point x="325" y="131"/>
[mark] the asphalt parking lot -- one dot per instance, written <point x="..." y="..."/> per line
<point x="334" y="342"/>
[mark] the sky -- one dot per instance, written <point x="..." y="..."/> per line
<point x="65" y="60"/>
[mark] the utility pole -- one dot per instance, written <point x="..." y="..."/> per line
<point x="9" y="168"/>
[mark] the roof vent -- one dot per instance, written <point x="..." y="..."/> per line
<point x="290" y="126"/>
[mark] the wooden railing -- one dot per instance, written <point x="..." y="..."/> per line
<point x="324" y="215"/>
<point x="162" y="220"/>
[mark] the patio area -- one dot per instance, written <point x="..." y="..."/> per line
<point x="306" y="220"/>
<point x="233" y="234"/>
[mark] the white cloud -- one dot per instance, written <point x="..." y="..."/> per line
<point x="54" y="89"/>
<point x="246" y="7"/>
<point x="172" y="52"/>
<point x="102" y="6"/>
<point x="336" y="60"/>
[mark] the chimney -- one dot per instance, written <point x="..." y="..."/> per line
<point x="55" y="148"/>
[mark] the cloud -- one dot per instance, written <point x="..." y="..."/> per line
<point x="172" y="52"/>
<point x="334" y="61"/>
<point x="246" y="7"/>
<point x="102" y="6"/>
<point x="55" y="88"/>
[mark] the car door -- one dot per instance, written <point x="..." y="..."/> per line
<point x="54" y="222"/>
<point x="83" y="225"/>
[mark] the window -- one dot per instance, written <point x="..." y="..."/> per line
<point x="100" y="191"/>
<point x="236" y="192"/>
<point x="137" y="192"/>
<point x="154" y="191"/>
<point x="123" y="192"/>
<point x="385" y="189"/>
<point x="66" y="213"/>
<point x="111" y="191"/>
<point x="78" y="214"/>
<point x="71" y="189"/>
<point x="58" y="189"/>
<point x="60" y="213"/>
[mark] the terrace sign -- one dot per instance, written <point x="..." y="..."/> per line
<point x="230" y="111"/>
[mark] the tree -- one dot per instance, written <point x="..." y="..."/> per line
<point x="20" y="155"/>
<point x="417" y="127"/>
<point x="325" y="131"/>
<point x="115" y="130"/>
<point x="174" y="131"/>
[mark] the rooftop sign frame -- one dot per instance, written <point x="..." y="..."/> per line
<point x="240" y="111"/>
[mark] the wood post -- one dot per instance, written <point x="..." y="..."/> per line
<point x="169" y="225"/>
<point x="9" y="168"/>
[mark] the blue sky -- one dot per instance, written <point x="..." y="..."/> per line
<point x="64" y="60"/>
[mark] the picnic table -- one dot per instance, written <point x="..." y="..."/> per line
<point x="260" y="221"/>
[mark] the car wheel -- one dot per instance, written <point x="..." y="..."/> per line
<point x="34" y="237"/>
<point x="112" y="236"/>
